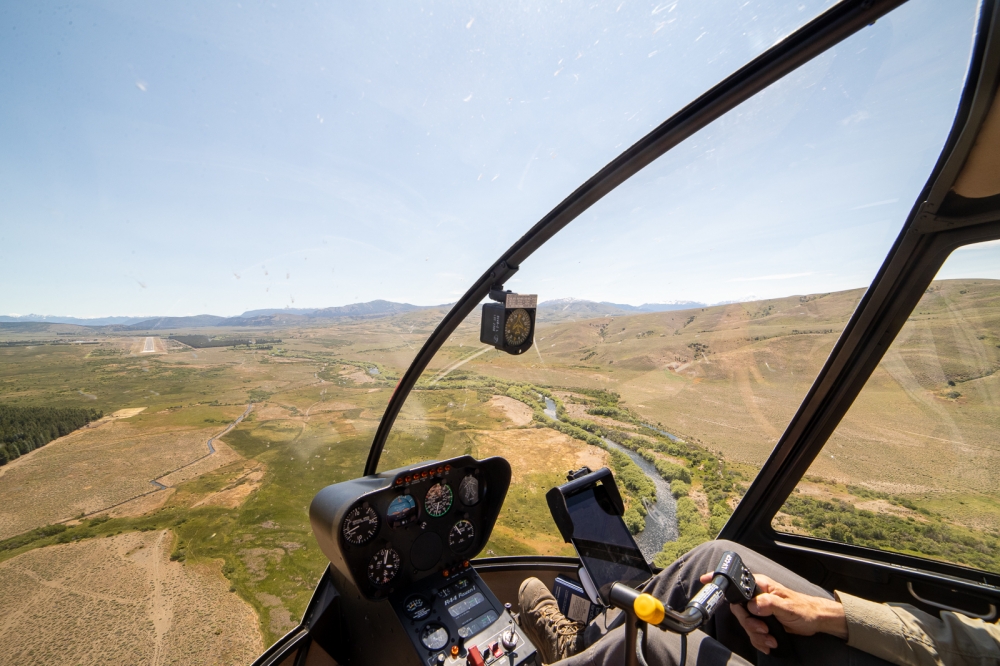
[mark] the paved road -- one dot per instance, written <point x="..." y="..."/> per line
<point x="149" y="347"/>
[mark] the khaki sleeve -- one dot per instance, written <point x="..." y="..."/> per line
<point x="905" y="635"/>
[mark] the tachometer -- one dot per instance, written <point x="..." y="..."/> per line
<point x="383" y="566"/>
<point x="461" y="535"/>
<point x="468" y="490"/>
<point x="438" y="499"/>
<point x="360" y="525"/>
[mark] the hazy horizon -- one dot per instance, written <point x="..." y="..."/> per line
<point x="990" y="248"/>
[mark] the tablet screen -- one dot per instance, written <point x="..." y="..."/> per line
<point x="603" y="542"/>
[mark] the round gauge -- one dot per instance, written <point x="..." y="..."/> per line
<point x="383" y="566"/>
<point x="468" y="490"/>
<point x="461" y="535"/>
<point x="417" y="608"/>
<point x="434" y="636"/>
<point x="518" y="325"/>
<point x="438" y="499"/>
<point x="360" y="525"/>
<point x="401" y="510"/>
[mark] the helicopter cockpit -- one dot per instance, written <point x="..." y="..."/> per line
<point x="426" y="557"/>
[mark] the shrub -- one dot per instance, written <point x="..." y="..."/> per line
<point x="634" y="520"/>
<point x="671" y="471"/>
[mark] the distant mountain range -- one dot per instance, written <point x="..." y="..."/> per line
<point x="555" y="310"/>
<point x="267" y="317"/>
<point x="51" y="319"/>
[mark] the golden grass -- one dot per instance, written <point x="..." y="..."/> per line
<point x="91" y="470"/>
<point x="120" y="600"/>
<point x="537" y="450"/>
<point x="515" y="411"/>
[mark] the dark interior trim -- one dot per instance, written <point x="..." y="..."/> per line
<point x="825" y="31"/>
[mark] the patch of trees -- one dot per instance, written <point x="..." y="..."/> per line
<point x="202" y="341"/>
<point x="24" y="429"/>
<point x="610" y="412"/>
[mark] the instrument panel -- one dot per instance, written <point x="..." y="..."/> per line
<point x="392" y="529"/>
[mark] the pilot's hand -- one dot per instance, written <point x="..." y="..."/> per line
<point x="798" y="613"/>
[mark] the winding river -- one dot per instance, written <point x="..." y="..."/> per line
<point x="661" y="516"/>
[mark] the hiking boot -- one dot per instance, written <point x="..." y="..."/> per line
<point x="556" y="636"/>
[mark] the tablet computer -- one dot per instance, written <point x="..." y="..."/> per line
<point x="605" y="546"/>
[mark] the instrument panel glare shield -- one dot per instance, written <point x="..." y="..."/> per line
<point x="416" y="532"/>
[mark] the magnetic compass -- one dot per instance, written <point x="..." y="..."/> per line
<point x="517" y="328"/>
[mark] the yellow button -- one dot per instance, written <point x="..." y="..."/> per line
<point x="648" y="608"/>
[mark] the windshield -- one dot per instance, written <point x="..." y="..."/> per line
<point x="227" y="230"/>
<point x="682" y="319"/>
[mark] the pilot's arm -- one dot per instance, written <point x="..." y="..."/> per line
<point x="898" y="633"/>
<point x="905" y="635"/>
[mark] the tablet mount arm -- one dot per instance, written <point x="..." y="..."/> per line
<point x="731" y="581"/>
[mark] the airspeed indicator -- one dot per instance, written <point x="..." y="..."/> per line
<point x="438" y="499"/>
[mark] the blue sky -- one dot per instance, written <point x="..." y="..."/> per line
<point x="181" y="158"/>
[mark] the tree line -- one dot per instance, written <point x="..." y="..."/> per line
<point x="24" y="429"/>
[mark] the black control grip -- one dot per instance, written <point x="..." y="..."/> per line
<point x="741" y="589"/>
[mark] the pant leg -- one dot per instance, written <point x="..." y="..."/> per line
<point x="663" y="648"/>
<point x="676" y="584"/>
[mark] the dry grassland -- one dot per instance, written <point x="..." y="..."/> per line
<point x="120" y="600"/>
<point x="537" y="450"/>
<point x="90" y="470"/>
<point x="516" y="411"/>
<point x="236" y="492"/>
